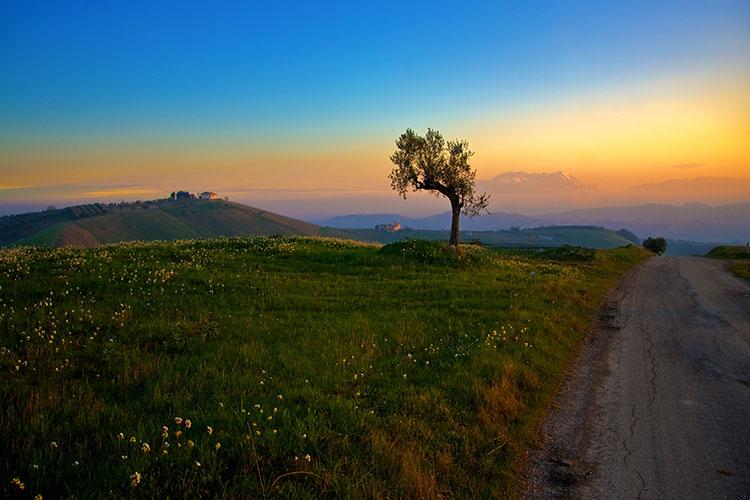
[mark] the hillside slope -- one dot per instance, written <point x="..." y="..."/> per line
<point x="160" y="220"/>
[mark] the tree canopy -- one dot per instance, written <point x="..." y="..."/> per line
<point x="430" y="163"/>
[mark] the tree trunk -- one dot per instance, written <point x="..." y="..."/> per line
<point x="456" y="210"/>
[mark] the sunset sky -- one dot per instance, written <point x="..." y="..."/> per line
<point x="297" y="105"/>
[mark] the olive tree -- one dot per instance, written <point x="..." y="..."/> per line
<point x="656" y="245"/>
<point x="431" y="164"/>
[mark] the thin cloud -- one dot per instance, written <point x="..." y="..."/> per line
<point x="12" y="187"/>
<point x="128" y="191"/>
<point x="689" y="166"/>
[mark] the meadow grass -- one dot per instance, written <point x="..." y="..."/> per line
<point x="741" y="269"/>
<point x="257" y="367"/>
<point x="739" y="255"/>
<point x="732" y="252"/>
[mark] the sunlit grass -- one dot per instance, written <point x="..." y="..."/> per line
<point x="301" y="367"/>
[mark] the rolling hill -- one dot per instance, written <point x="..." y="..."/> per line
<point x="540" y="237"/>
<point x="692" y="224"/>
<point x="91" y="225"/>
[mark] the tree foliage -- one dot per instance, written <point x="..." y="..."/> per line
<point x="656" y="245"/>
<point x="431" y="163"/>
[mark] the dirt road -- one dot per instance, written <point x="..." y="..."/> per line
<point x="659" y="404"/>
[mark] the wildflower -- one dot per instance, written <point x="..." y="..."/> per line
<point x="217" y="445"/>
<point x="280" y="396"/>
<point x="188" y="424"/>
<point x="132" y="439"/>
<point x="18" y="483"/>
<point x="308" y="457"/>
<point x="38" y="496"/>
<point x="135" y="479"/>
<point x="190" y="443"/>
<point x="178" y="420"/>
<point x="178" y="433"/>
<point x="197" y="464"/>
<point x="164" y="431"/>
<point x="209" y="429"/>
<point x="221" y="405"/>
<point x="53" y="444"/>
<point x="145" y="448"/>
<point x="121" y="436"/>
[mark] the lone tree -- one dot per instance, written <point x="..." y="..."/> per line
<point x="656" y="245"/>
<point x="430" y="163"/>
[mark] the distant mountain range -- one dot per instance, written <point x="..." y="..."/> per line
<point x="94" y="224"/>
<point x="692" y="221"/>
<point x="713" y="190"/>
<point x="436" y="222"/>
<point x="525" y="181"/>
<point x="556" y="192"/>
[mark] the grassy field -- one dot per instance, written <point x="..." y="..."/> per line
<point x="257" y="367"/>
<point x="730" y="252"/>
<point x="738" y="254"/>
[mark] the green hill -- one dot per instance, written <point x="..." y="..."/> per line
<point x="306" y="367"/>
<point x="730" y="252"/>
<point x="552" y="236"/>
<point x="738" y="257"/>
<point x="90" y="225"/>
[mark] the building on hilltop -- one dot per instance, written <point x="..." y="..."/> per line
<point x="391" y="228"/>
<point x="186" y="195"/>
<point x="181" y="195"/>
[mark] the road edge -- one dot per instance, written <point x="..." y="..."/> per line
<point x="554" y="470"/>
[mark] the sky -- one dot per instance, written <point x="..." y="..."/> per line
<point x="295" y="105"/>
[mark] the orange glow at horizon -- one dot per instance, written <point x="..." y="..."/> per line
<point x="613" y="141"/>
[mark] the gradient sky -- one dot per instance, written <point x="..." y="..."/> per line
<point x="108" y="100"/>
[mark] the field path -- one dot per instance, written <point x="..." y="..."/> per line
<point x="659" y="403"/>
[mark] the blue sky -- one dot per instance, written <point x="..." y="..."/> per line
<point x="172" y="67"/>
<point x="83" y="77"/>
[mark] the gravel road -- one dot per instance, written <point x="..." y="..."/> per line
<point x="658" y="405"/>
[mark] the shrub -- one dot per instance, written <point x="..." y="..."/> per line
<point x="433" y="252"/>
<point x="656" y="245"/>
<point x="568" y="253"/>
